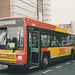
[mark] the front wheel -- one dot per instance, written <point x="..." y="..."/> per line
<point x="45" y="62"/>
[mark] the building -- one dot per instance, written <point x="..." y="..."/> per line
<point x="47" y="11"/>
<point x="35" y="9"/>
<point x="73" y="25"/>
<point x="68" y="26"/>
<point x="4" y="8"/>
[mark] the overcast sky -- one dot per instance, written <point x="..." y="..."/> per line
<point x="62" y="11"/>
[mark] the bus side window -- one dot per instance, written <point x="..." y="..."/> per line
<point x="45" y="40"/>
<point x="53" y="41"/>
<point x="72" y="40"/>
<point x="35" y="40"/>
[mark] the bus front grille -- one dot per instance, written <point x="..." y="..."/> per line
<point x="7" y="58"/>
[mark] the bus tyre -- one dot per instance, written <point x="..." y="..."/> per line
<point x="45" y="62"/>
<point x="72" y="54"/>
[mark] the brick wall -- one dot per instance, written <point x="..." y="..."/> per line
<point x="4" y="8"/>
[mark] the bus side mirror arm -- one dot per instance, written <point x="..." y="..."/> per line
<point x="14" y="50"/>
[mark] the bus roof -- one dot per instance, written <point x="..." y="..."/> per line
<point x="39" y="24"/>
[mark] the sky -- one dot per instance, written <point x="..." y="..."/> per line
<point x="62" y="11"/>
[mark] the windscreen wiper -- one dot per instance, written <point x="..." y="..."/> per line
<point x="3" y="39"/>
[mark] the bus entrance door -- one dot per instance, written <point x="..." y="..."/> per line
<point x="34" y="48"/>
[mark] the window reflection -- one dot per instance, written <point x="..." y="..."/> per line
<point x="15" y="37"/>
<point x="55" y="39"/>
<point x="11" y="37"/>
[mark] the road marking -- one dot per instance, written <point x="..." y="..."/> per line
<point x="67" y="63"/>
<point x="59" y="66"/>
<point x="73" y="61"/>
<point x="47" y="71"/>
<point x="33" y="67"/>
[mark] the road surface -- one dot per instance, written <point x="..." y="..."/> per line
<point x="61" y="68"/>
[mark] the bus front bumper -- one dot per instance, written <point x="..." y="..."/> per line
<point x="15" y="65"/>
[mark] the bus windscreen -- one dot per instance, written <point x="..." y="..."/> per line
<point x="12" y="38"/>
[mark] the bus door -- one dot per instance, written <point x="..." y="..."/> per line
<point x="34" y="48"/>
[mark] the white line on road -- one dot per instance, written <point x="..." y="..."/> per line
<point x="67" y="63"/>
<point x="59" y="66"/>
<point x="73" y="61"/>
<point x="47" y="71"/>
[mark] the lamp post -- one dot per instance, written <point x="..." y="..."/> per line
<point x="40" y="10"/>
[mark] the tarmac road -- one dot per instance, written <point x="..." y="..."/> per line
<point x="61" y="68"/>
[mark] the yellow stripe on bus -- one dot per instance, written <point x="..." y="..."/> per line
<point x="59" y="51"/>
<point x="64" y="30"/>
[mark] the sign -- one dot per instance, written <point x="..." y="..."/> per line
<point x="8" y="22"/>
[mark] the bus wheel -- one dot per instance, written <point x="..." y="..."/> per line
<point x="45" y="62"/>
<point x="72" y="54"/>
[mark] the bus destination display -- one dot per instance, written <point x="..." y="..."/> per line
<point x="11" y="22"/>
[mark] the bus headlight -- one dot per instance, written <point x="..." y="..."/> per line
<point x="19" y="57"/>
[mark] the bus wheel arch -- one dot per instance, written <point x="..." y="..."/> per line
<point x="45" y="59"/>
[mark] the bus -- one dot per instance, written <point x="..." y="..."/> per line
<point x="28" y="43"/>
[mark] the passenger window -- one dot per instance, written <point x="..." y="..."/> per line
<point x="72" y="40"/>
<point x="35" y="40"/>
<point x="53" y="40"/>
<point x="45" y="40"/>
<point x="65" y="40"/>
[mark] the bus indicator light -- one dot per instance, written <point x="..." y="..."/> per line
<point x="19" y="57"/>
